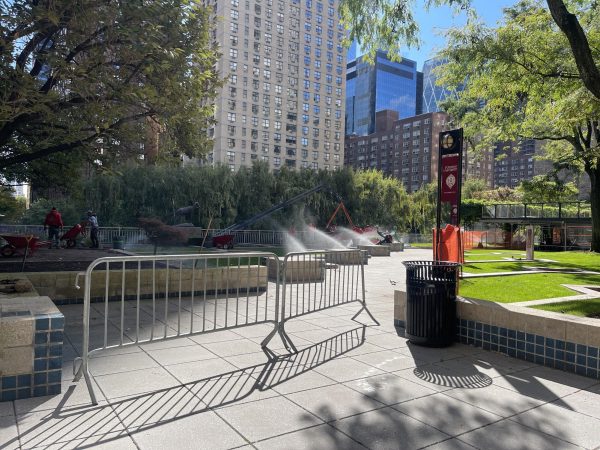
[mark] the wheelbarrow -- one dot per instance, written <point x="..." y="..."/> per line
<point x="71" y="236"/>
<point x="17" y="243"/>
<point x="223" y="241"/>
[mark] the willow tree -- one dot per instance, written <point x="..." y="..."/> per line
<point x="89" y="78"/>
<point x="523" y="83"/>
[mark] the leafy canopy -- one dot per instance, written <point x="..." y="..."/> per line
<point x="88" y="78"/>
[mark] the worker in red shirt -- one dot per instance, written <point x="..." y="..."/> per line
<point x="55" y="225"/>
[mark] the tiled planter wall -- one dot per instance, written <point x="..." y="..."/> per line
<point x="550" y="339"/>
<point x="31" y="348"/>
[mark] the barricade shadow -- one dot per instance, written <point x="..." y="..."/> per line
<point x="88" y="425"/>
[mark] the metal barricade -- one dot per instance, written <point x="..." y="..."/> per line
<point x="137" y="299"/>
<point x="317" y="280"/>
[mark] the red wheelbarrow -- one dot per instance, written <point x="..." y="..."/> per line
<point x="223" y="241"/>
<point x="71" y="236"/>
<point x="18" y="242"/>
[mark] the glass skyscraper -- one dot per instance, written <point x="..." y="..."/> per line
<point x="382" y="85"/>
<point x="433" y="94"/>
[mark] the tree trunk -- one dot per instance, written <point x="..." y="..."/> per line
<point x="570" y="26"/>
<point x="594" y="174"/>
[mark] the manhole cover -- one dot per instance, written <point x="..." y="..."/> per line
<point x="471" y="379"/>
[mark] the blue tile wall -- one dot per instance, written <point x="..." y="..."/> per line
<point x="569" y="356"/>
<point x="47" y="363"/>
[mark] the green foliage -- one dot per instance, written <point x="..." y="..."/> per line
<point x="523" y="83"/>
<point x="11" y="208"/>
<point x="422" y="209"/>
<point x="227" y="197"/>
<point x="71" y="212"/>
<point x="127" y="65"/>
<point x="472" y="187"/>
<point x="385" y="24"/>
<point x="541" y="188"/>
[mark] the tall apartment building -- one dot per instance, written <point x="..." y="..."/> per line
<point x="377" y="86"/>
<point x="404" y="148"/>
<point x="407" y="149"/>
<point x="283" y="101"/>
<point x="515" y="162"/>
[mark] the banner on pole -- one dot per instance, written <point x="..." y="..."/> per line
<point x="450" y="171"/>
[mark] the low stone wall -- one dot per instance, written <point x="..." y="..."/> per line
<point x="554" y="340"/>
<point x="376" y="250"/>
<point x="60" y="286"/>
<point x="347" y="258"/>
<point x="396" y="247"/>
<point x="31" y="347"/>
<point x="299" y="271"/>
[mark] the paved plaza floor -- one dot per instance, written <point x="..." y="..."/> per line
<point x="350" y="386"/>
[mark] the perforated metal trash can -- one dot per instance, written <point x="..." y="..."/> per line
<point x="431" y="302"/>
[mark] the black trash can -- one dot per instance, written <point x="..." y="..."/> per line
<point x="431" y="302"/>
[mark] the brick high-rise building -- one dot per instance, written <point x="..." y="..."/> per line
<point x="407" y="149"/>
<point x="284" y="98"/>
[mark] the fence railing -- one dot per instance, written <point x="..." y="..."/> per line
<point x="558" y="210"/>
<point x="132" y="300"/>
<point x="106" y="234"/>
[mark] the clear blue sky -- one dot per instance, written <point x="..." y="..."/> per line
<point x="433" y="22"/>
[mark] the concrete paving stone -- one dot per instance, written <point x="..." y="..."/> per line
<point x="198" y="370"/>
<point x="321" y="436"/>
<point x="108" y="441"/>
<point x="387" y="428"/>
<point x="389" y="388"/>
<point x="103" y="365"/>
<point x="559" y="421"/>
<point x="429" y="354"/>
<point x="178" y="355"/>
<point x="409" y="374"/>
<point x="451" y="444"/>
<point x="74" y="396"/>
<point x="543" y="383"/>
<point x="247" y="359"/>
<point x="497" y="400"/>
<point x="7" y="409"/>
<point x="314" y="336"/>
<point x="295" y="379"/>
<point x="231" y="388"/>
<point x="263" y="419"/>
<point x="334" y="402"/>
<point x="507" y="434"/>
<point x="49" y="427"/>
<point x="477" y="365"/>
<point x="203" y="430"/>
<point x="169" y="343"/>
<point x="216" y="336"/>
<point x="387" y="361"/>
<point x="9" y="436"/>
<point x="135" y="382"/>
<point x="328" y="322"/>
<point x="231" y="348"/>
<point x="296" y="325"/>
<point x="447" y="414"/>
<point x="387" y="340"/>
<point x="346" y="369"/>
<point x="254" y="331"/>
<point x="586" y="401"/>
<point x="144" y="411"/>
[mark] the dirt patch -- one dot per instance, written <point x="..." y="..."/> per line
<point x="55" y="260"/>
<point x="594" y="315"/>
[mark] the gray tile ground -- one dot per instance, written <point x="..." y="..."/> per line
<point x="219" y="390"/>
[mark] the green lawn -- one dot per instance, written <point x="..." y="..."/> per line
<point x="421" y="245"/>
<point x="582" y="308"/>
<point x="520" y="288"/>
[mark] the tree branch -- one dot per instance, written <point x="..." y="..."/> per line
<point x="67" y="146"/>
<point x="570" y="26"/>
